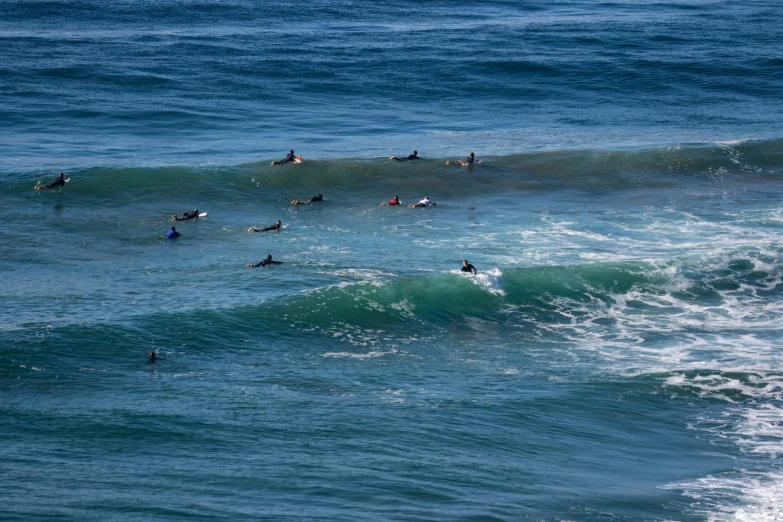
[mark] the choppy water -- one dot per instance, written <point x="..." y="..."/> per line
<point x="617" y="357"/>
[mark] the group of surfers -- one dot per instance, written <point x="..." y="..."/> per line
<point x="291" y="158"/>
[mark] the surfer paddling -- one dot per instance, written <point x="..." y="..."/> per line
<point x="289" y="158"/>
<point x="314" y="199"/>
<point x="266" y="262"/>
<point x="393" y="202"/>
<point x="275" y="227"/>
<point x="467" y="162"/>
<point x="467" y="267"/>
<point x="59" y="182"/>
<point x="186" y="216"/>
<point x="414" y="156"/>
<point x="423" y="203"/>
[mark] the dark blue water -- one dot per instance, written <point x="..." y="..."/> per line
<point x="617" y="357"/>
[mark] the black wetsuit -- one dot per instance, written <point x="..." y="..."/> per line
<point x="469" y="160"/>
<point x="469" y="268"/>
<point x="288" y="158"/>
<point x="267" y="262"/>
<point x="59" y="182"/>
<point x="316" y="198"/>
<point x="274" y="227"/>
<point x="411" y="157"/>
<point x="187" y="215"/>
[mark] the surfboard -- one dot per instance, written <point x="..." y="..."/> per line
<point x="203" y="214"/>
<point x="297" y="159"/>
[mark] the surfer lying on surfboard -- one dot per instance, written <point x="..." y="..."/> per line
<point x="186" y="216"/>
<point x="275" y="227"/>
<point x="413" y="156"/>
<point x="289" y="158"/>
<point x="467" y="162"/>
<point x="393" y="202"/>
<point x="423" y="203"/>
<point x="266" y="262"/>
<point x="59" y="182"/>
<point x="314" y="199"/>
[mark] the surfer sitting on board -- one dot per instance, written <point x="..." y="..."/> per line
<point x="275" y="227"/>
<point x="467" y="267"/>
<point x="470" y="160"/>
<point x="423" y="203"/>
<point x="392" y="202"/>
<point x="314" y="199"/>
<point x="413" y="156"/>
<point x="59" y="182"/>
<point x="172" y="234"/>
<point x="289" y="158"/>
<point x="186" y="216"/>
<point x="266" y="262"/>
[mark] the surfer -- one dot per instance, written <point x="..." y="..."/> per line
<point x="152" y="357"/>
<point x="467" y="267"/>
<point x="172" y="234"/>
<point x="423" y="203"/>
<point x="288" y="159"/>
<point x="186" y="216"/>
<point x="392" y="202"/>
<point x="413" y="156"/>
<point x="266" y="262"/>
<point x="275" y="227"/>
<point x="59" y="182"/>
<point x="470" y="160"/>
<point x="314" y="199"/>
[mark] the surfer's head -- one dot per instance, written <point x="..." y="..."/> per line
<point x="472" y="155"/>
<point x="464" y="262"/>
<point x="415" y="152"/>
<point x="269" y="257"/>
<point x="291" y="151"/>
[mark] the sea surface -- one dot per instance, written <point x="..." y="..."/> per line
<point x="618" y="357"/>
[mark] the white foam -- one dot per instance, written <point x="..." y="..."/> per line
<point x="491" y="280"/>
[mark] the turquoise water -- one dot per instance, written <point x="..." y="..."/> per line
<point x="616" y="358"/>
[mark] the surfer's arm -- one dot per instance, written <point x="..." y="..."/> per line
<point x="276" y="262"/>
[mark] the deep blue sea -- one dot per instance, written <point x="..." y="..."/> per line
<point x="618" y="356"/>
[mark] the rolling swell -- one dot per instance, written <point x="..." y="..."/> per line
<point x="548" y="171"/>
<point x="645" y="302"/>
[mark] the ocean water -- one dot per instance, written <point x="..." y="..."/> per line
<point x="617" y="357"/>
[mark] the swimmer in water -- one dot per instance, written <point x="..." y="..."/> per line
<point x="470" y="160"/>
<point x="423" y="203"/>
<point x="289" y="158"/>
<point x="152" y="357"/>
<point x="172" y="234"/>
<point x="314" y="199"/>
<point x="392" y="202"/>
<point x="266" y="262"/>
<point x="467" y="267"/>
<point x="414" y="156"/>
<point x="275" y="227"/>
<point x="59" y="182"/>
<point x="186" y="216"/>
